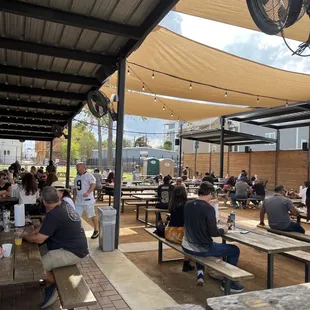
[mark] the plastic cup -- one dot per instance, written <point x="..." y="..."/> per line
<point x="17" y="238"/>
<point x="7" y="247"/>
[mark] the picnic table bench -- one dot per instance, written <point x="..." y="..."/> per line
<point x="229" y="272"/>
<point x="247" y="200"/>
<point x="290" y="297"/>
<point x="72" y="288"/>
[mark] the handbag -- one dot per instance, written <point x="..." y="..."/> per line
<point x="174" y="234"/>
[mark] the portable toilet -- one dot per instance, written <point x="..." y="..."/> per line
<point x="151" y="166"/>
<point x="166" y="166"/>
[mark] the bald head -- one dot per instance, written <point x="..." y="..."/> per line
<point x="81" y="168"/>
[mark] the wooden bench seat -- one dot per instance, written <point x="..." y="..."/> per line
<point x="229" y="272"/>
<point x="247" y="200"/>
<point x="72" y="288"/>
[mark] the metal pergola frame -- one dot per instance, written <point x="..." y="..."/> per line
<point x="226" y="137"/>
<point x="284" y="117"/>
<point x="28" y="111"/>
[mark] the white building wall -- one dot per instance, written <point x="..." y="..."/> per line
<point x="10" y="151"/>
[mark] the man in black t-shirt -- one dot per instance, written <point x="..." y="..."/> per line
<point x="64" y="236"/>
<point x="208" y="178"/>
<point x="199" y="228"/>
<point x="258" y="192"/>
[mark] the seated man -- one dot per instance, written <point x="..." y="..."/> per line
<point x="277" y="208"/>
<point x="258" y="191"/>
<point x="242" y="189"/>
<point x="208" y="178"/>
<point x="199" y="228"/>
<point x="64" y="236"/>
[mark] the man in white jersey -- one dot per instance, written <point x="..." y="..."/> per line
<point x="83" y="195"/>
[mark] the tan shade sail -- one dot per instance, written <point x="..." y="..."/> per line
<point x="144" y="105"/>
<point x="175" y="55"/>
<point x="235" y="12"/>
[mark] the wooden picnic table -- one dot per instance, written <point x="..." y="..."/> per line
<point x="24" y="265"/>
<point x="268" y="243"/>
<point x="290" y="297"/>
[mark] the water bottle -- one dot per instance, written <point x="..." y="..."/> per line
<point x="233" y="220"/>
<point x="6" y="221"/>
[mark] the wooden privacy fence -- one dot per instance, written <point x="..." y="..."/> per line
<point x="290" y="171"/>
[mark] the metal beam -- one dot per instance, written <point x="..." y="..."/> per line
<point x="289" y="118"/>
<point x="51" y="150"/>
<point x="35" y="137"/>
<point x="47" y="50"/>
<point x="119" y="144"/>
<point x="68" y="18"/>
<point x="41" y="92"/>
<point x="48" y="75"/>
<point x="29" y="122"/>
<point x="222" y="143"/>
<point x="37" y="105"/>
<point x="306" y="124"/>
<point x="155" y="17"/>
<point x="15" y="128"/>
<point x="180" y="150"/>
<point x="32" y="115"/>
<point x="68" y="153"/>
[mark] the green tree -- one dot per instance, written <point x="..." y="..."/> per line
<point x="83" y="142"/>
<point x="168" y="145"/>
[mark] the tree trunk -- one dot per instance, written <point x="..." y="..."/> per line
<point x="110" y="143"/>
<point x="100" y="163"/>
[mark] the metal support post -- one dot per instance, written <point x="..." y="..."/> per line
<point x="68" y="153"/>
<point x="309" y="155"/>
<point x="222" y="147"/>
<point x="307" y="275"/>
<point x="51" y="150"/>
<point x="180" y="150"/>
<point x="160" y="252"/>
<point x="270" y="263"/>
<point x="119" y="144"/>
<point x="277" y="158"/>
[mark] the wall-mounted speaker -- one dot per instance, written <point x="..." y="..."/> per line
<point x="247" y="149"/>
<point x="177" y="142"/>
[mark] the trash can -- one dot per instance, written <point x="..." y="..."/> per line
<point x="107" y="220"/>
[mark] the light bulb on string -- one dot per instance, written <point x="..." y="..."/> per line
<point x="190" y="86"/>
<point x="128" y="72"/>
<point x="164" y="108"/>
<point x="143" y="88"/>
<point x="226" y="94"/>
<point x="178" y="119"/>
<point x="257" y="99"/>
<point x="171" y="114"/>
<point x="286" y="103"/>
<point x="153" y="75"/>
<point x="155" y="99"/>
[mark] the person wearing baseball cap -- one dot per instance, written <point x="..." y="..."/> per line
<point x="64" y="193"/>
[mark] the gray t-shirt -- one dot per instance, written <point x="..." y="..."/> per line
<point x="98" y="178"/>
<point x="242" y="188"/>
<point x="277" y="208"/>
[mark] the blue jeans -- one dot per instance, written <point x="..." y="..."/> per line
<point x="235" y="197"/>
<point x="295" y="227"/>
<point x="230" y="251"/>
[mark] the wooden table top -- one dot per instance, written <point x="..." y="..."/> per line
<point x="290" y="297"/>
<point x="266" y="242"/>
<point x="24" y="265"/>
